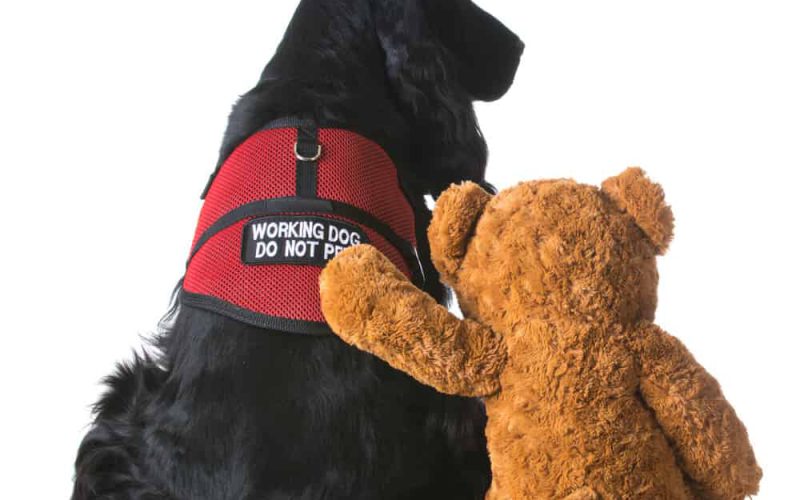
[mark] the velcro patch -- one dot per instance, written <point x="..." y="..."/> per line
<point x="299" y="239"/>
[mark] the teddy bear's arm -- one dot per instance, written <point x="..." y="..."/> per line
<point x="710" y="441"/>
<point x="368" y="302"/>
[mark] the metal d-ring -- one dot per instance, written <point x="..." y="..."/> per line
<point x="308" y="158"/>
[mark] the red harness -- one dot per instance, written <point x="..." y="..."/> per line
<point x="284" y="203"/>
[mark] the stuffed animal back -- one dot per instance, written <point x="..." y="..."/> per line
<point x="586" y="397"/>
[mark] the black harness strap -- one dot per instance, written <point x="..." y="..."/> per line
<point x="307" y="152"/>
<point x="257" y="319"/>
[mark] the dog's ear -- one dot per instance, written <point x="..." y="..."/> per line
<point x="454" y="219"/>
<point x="487" y="53"/>
<point x="440" y="55"/>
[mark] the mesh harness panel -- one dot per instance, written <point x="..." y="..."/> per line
<point x="281" y="206"/>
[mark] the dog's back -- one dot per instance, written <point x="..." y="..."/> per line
<point x="230" y="411"/>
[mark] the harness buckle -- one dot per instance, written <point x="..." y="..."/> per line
<point x="307" y="158"/>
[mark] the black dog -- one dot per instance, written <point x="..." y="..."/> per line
<point x="231" y="411"/>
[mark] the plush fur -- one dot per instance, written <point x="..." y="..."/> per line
<point x="586" y="397"/>
<point x="227" y="411"/>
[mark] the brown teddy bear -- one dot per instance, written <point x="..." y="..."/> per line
<point x="586" y="397"/>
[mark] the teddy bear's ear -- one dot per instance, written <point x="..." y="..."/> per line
<point x="454" y="219"/>
<point x="643" y="199"/>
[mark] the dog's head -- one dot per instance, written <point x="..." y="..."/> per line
<point x="478" y="52"/>
<point x="441" y="55"/>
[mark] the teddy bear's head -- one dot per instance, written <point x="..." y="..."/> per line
<point x="553" y="249"/>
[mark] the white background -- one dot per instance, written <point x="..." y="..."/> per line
<point x="111" y="114"/>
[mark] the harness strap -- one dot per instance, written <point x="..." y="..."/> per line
<point x="216" y="305"/>
<point x="307" y="151"/>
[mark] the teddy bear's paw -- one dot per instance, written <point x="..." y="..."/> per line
<point x="357" y="262"/>
<point x="347" y="270"/>
<point x="353" y="284"/>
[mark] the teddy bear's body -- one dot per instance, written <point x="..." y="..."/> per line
<point x="586" y="397"/>
<point x="570" y="411"/>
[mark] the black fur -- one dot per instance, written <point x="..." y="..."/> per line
<point x="229" y="411"/>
